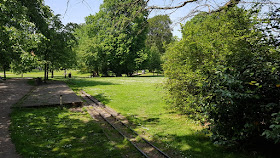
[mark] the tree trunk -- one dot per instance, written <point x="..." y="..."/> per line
<point x="52" y="73"/>
<point x="4" y="67"/>
<point x="65" y="73"/>
<point x="45" y="73"/>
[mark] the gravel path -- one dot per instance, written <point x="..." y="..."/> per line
<point x="10" y="93"/>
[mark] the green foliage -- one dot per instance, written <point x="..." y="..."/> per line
<point x="223" y="70"/>
<point x="159" y="33"/>
<point x="18" y="34"/>
<point x="159" y="36"/>
<point x="154" y="59"/>
<point x="273" y="132"/>
<point x="113" y="39"/>
<point x="32" y="36"/>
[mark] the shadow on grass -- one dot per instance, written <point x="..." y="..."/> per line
<point x="80" y="83"/>
<point x="55" y="132"/>
<point x="148" y="76"/>
<point x="194" y="144"/>
<point x="142" y="121"/>
<point x="102" y="98"/>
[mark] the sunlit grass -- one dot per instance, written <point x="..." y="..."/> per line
<point x="141" y="100"/>
<point x="36" y="73"/>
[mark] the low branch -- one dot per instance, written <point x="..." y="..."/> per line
<point x="174" y="7"/>
<point x="229" y="4"/>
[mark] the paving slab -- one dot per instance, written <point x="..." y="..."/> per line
<point x="48" y="94"/>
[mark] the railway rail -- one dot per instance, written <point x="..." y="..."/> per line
<point x="119" y="123"/>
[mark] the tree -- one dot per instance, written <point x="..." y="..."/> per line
<point x="91" y="52"/>
<point x="31" y="35"/>
<point x="159" y="33"/>
<point x="118" y="33"/>
<point x="159" y="36"/>
<point x="154" y="59"/>
<point x="55" y="50"/>
<point x="61" y="45"/>
<point x="18" y="34"/>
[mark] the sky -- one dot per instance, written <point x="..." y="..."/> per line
<point x="77" y="10"/>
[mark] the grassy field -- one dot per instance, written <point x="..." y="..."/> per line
<point x="58" y="74"/>
<point x="37" y="73"/>
<point x="140" y="99"/>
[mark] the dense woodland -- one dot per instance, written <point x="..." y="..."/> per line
<point x="224" y="71"/>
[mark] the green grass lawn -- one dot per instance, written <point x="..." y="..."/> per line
<point x="140" y="99"/>
<point x="55" y="132"/>
<point x="36" y="73"/>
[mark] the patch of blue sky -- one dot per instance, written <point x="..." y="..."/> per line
<point x="76" y="10"/>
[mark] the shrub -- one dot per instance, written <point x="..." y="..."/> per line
<point x="224" y="71"/>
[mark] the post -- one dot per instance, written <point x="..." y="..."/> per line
<point x="45" y="73"/>
<point x="4" y="72"/>
<point x="60" y="98"/>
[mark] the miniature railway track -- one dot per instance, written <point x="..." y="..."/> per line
<point x="119" y="123"/>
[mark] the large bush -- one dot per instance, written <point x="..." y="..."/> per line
<point x="225" y="72"/>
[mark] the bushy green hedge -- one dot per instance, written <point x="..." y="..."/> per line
<point x="225" y="73"/>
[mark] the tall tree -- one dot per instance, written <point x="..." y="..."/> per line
<point x="55" y="51"/>
<point x="118" y="32"/>
<point x="160" y="32"/>
<point x="19" y="35"/>
<point x="159" y="36"/>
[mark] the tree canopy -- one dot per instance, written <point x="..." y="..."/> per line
<point x="117" y="36"/>
<point x="32" y="36"/>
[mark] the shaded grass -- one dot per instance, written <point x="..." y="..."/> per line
<point x="56" y="132"/>
<point x="140" y="99"/>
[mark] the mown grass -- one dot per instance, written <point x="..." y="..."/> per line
<point x="56" y="132"/>
<point x="140" y="99"/>
<point x="36" y="73"/>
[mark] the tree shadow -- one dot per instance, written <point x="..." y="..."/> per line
<point x="194" y="144"/>
<point x="55" y="132"/>
<point x="79" y="84"/>
<point x="142" y="121"/>
<point x="149" y="76"/>
<point x="102" y="98"/>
